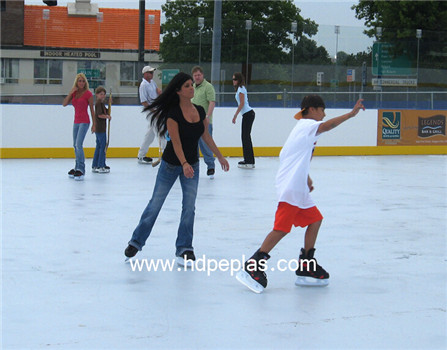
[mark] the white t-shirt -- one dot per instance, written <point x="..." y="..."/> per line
<point x="243" y="90"/>
<point x="294" y="164"/>
<point x="148" y="91"/>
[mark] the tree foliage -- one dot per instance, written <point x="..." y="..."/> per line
<point x="400" y="19"/>
<point x="356" y="60"/>
<point x="270" y="39"/>
<point x="307" y="52"/>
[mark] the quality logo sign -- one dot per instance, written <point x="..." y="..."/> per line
<point x="391" y="125"/>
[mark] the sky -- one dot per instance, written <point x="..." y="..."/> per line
<point x="327" y="14"/>
<point x="335" y="11"/>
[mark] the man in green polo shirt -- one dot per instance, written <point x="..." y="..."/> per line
<point x="205" y="96"/>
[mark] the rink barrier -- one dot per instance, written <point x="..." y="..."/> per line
<point x="45" y="131"/>
<point x="131" y="152"/>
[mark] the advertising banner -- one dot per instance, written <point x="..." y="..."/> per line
<point x="411" y="127"/>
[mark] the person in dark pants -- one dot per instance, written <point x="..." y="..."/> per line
<point x="248" y="117"/>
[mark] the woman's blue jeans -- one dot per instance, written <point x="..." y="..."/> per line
<point x="166" y="177"/>
<point x="79" y="132"/>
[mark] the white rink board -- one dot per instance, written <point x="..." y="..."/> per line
<point x="50" y="126"/>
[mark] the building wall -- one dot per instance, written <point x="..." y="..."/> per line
<point x="112" y="60"/>
<point x="12" y="24"/>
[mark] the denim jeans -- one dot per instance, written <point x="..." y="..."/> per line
<point x="166" y="177"/>
<point x="79" y="132"/>
<point x="247" y="146"/>
<point x="208" y="155"/>
<point x="99" y="159"/>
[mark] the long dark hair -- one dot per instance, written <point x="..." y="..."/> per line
<point x="240" y="80"/>
<point x="160" y="107"/>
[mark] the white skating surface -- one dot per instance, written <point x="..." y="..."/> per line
<point x="383" y="240"/>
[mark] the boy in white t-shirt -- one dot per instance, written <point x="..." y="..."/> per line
<point x="296" y="206"/>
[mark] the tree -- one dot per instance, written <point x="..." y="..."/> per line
<point x="307" y="52"/>
<point x="269" y="39"/>
<point x="400" y="19"/>
<point x="356" y="60"/>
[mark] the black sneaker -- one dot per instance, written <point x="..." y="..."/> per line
<point x="309" y="272"/>
<point x="210" y="173"/>
<point x="78" y="175"/>
<point x="253" y="275"/>
<point x="71" y="173"/>
<point x="186" y="259"/>
<point x="145" y="160"/>
<point x="130" y="251"/>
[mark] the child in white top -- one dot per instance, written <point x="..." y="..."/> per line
<point x="296" y="206"/>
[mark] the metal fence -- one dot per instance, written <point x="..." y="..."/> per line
<point x="285" y="99"/>
<point x="436" y="100"/>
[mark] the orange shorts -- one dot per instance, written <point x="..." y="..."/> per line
<point x="288" y="215"/>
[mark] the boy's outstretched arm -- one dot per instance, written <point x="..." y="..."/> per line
<point x="332" y="123"/>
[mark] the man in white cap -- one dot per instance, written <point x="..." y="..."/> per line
<point x="148" y="93"/>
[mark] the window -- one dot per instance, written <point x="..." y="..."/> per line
<point x="47" y="72"/>
<point x="9" y="71"/>
<point x="129" y="74"/>
<point x="3" y="5"/>
<point x="95" y="71"/>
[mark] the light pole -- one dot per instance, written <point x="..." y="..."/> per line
<point x="99" y="19"/>
<point x="141" y="25"/>
<point x="379" y="53"/>
<point x="200" y="23"/>
<point x="248" y="24"/>
<point x="45" y="17"/>
<point x="293" y="29"/>
<point x="151" y="22"/>
<point x="336" y="31"/>
<point x="379" y="70"/>
<point x="216" y="49"/>
<point x="418" y="36"/>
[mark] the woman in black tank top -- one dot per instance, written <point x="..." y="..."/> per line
<point x="175" y="114"/>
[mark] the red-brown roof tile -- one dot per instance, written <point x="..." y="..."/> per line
<point x="118" y="30"/>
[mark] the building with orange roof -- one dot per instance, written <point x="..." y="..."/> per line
<point x="44" y="47"/>
<point x="117" y="31"/>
